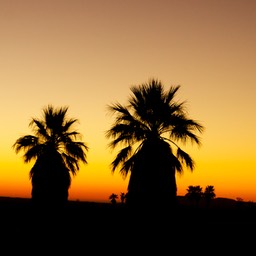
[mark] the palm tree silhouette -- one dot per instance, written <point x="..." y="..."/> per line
<point x="56" y="153"/>
<point x="113" y="198"/>
<point x="194" y="193"/>
<point x="122" y="197"/>
<point x="209" y="194"/>
<point x="147" y="130"/>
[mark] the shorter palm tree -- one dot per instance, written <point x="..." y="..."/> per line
<point x="56" y="153"/>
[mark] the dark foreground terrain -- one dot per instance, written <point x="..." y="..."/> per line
<point x="88" y="228"/>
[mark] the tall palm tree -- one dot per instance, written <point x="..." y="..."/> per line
<point x="56" y="153"/>
<point x="148" y="130"/>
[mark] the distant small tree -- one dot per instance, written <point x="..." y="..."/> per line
<point x="194" y="193"/>
<point x="123" y="197"/>
<point x="113" y="197"/>
<point x="209" y="194"/>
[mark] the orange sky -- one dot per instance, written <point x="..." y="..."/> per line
<point x="87" y="54"/>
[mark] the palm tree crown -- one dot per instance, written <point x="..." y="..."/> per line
<point x="148" y="130"/>
<point x="194" y="193"/>
<point x="53" y="147"/>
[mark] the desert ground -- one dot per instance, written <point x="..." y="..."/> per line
<point x="225" y="226"/>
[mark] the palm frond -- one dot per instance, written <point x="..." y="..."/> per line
<point x="25" y="142"/>
<point x="127" y="166"/>
<point x="121" y="157"/>
<point x="68" y="124"/>
<point x="33" y="152"/>
<point x="77" y="150"/>
<point x="185" y="158"/>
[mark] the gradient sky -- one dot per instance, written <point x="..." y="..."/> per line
<point x="86" y="54"/>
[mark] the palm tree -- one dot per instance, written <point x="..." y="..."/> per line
<point x="209" y="194"/>
<point x="113" y="198"/>
<point x="148" y="130"/>
<point x="122" y="197"/>
<point x="56" y="153"/>
<point x="194" y="193"/>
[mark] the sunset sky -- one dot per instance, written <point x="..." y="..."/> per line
<point x="87" y="54"/>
